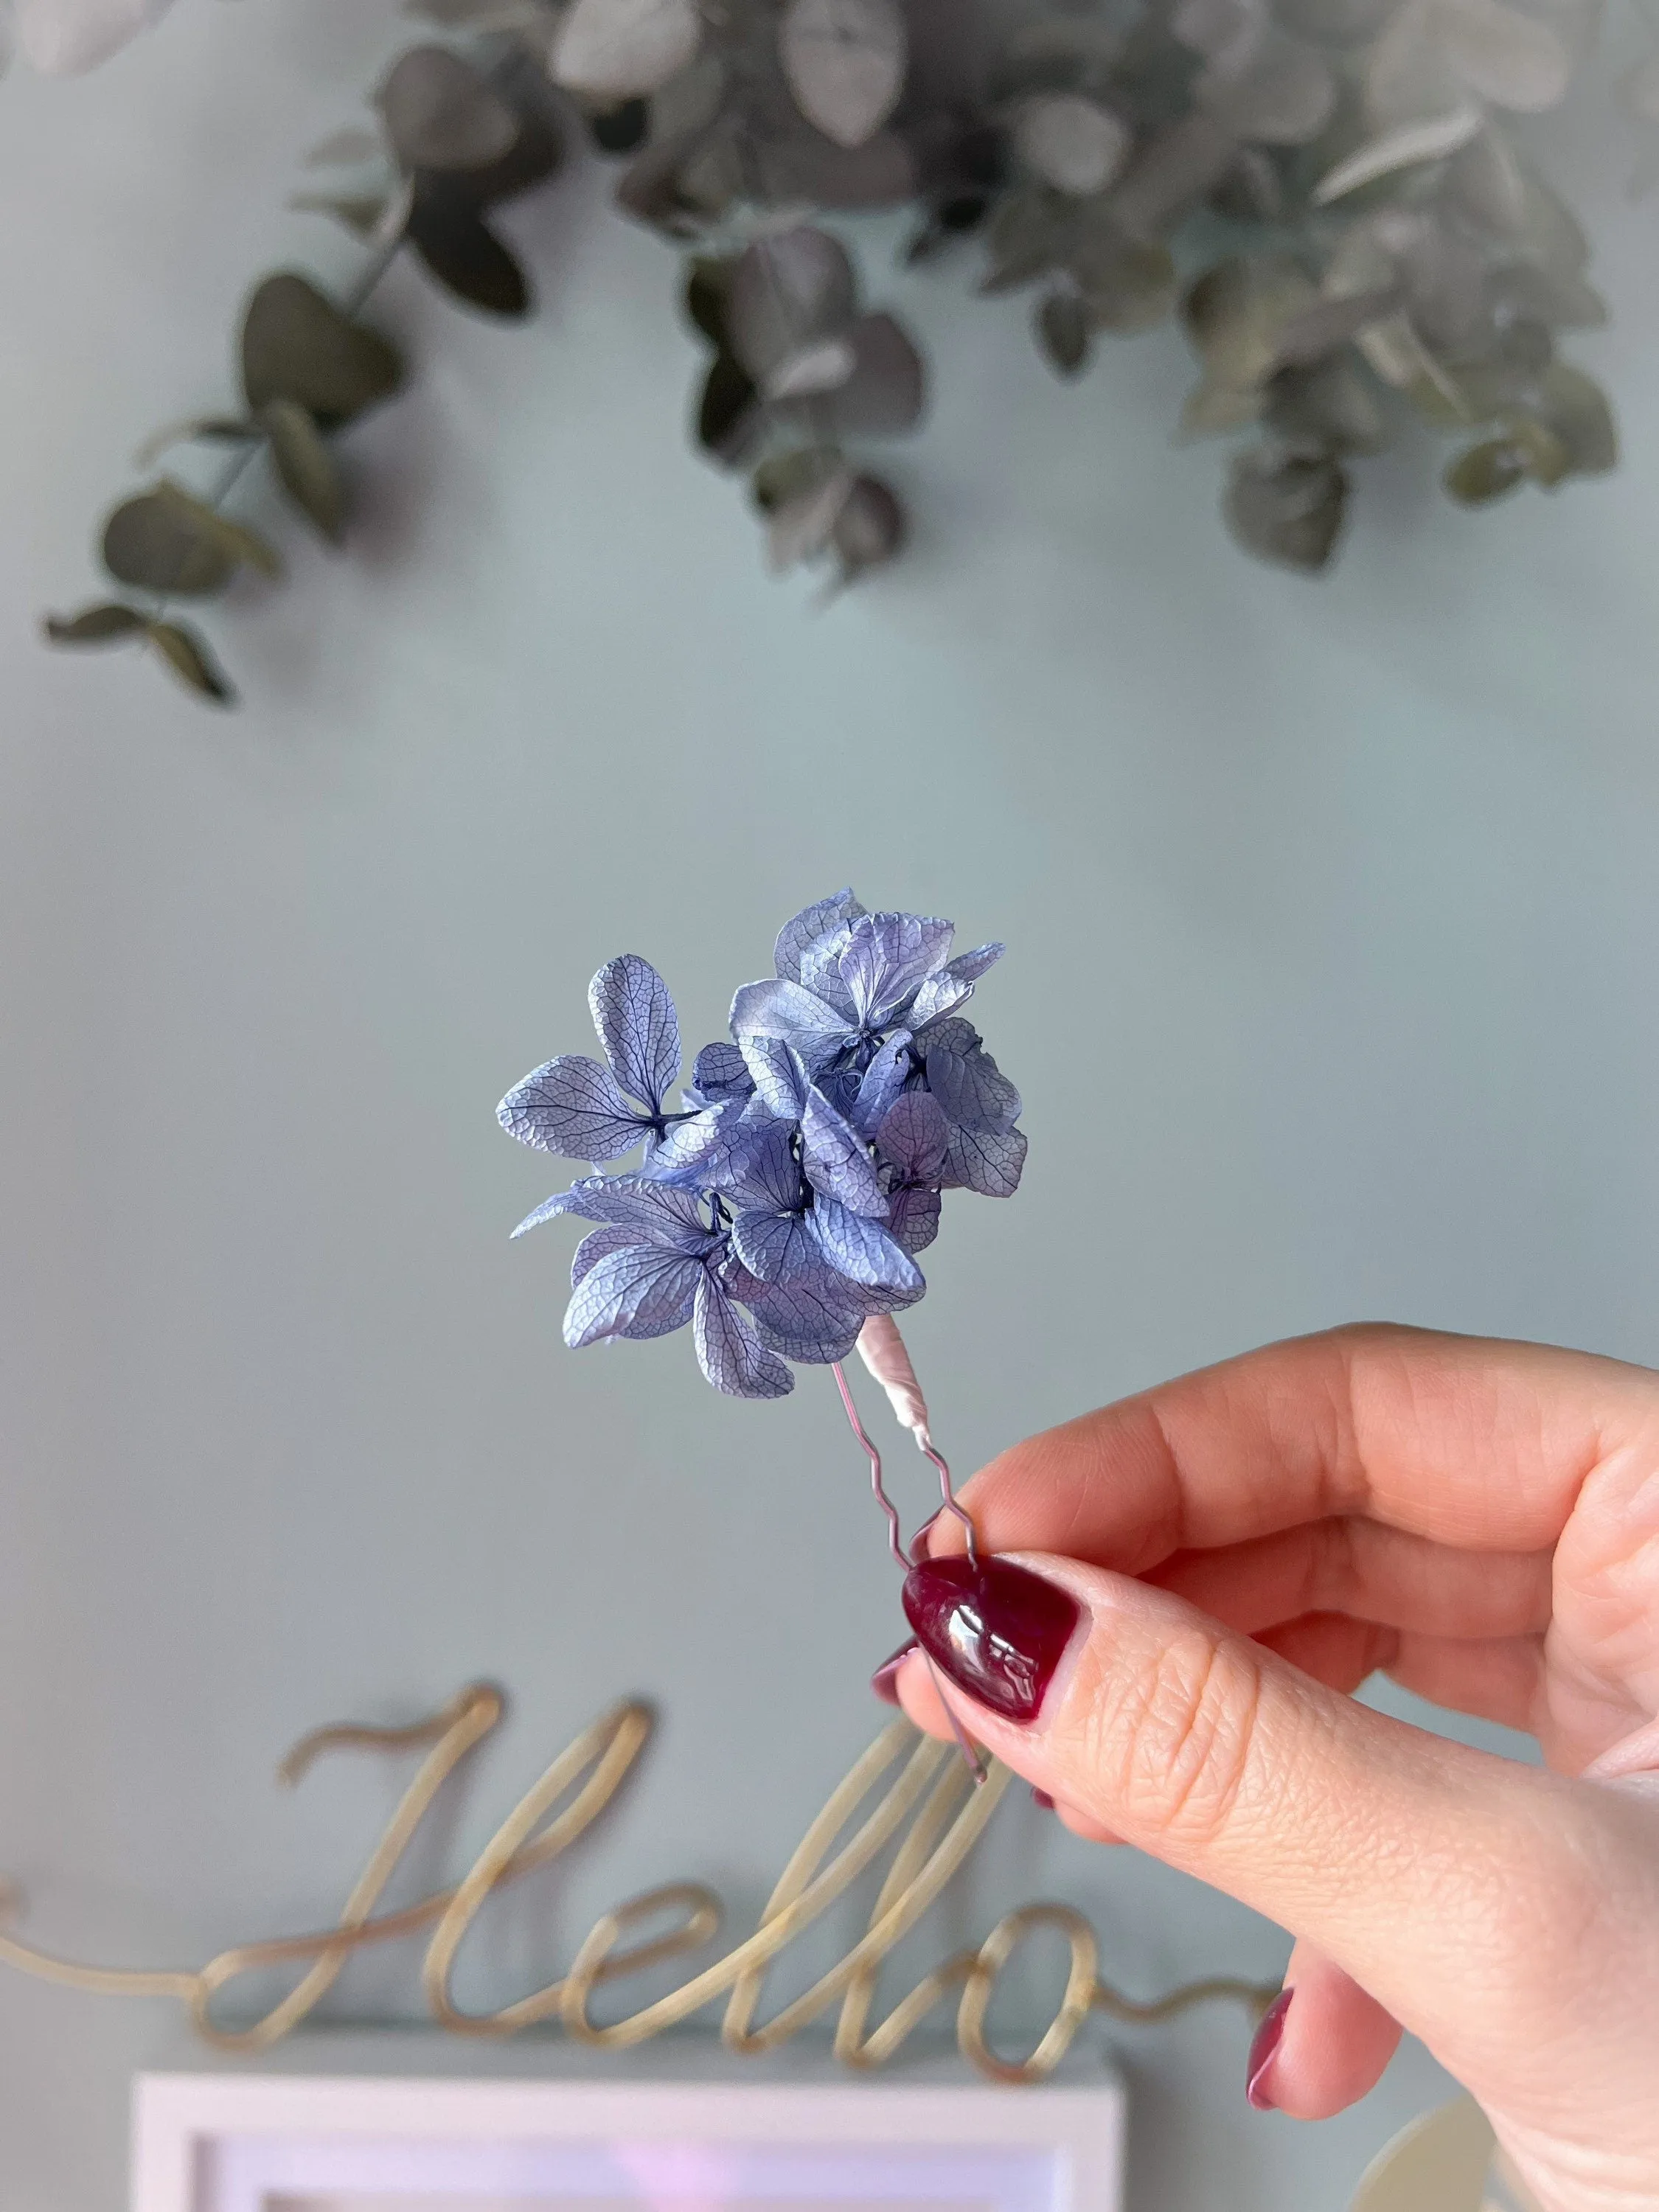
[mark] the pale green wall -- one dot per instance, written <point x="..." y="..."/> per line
<point x="1332" y="911"/>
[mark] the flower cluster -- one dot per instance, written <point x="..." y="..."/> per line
<point x="782" y="1204"/>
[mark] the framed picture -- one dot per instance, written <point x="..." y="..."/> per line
<point x="230" y="2143"/>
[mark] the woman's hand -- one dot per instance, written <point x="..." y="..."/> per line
<point x="1203" y="1573"/>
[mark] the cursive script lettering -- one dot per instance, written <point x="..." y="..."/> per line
<point x="907" y="1794"/>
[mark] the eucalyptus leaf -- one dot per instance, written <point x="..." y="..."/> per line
<point x="361" y="214"/>
<point x="619" y="49"/>
<point x="1546" y="455"/>
<point x="344" y="148"/>
<point x="1576" y="409"/>
<point x="1515" y="60"/>
<point x="622" y="129"/>
<point x="305" y="465"/>
<point x="1237" y="313"/>
<point x="783" y="477"/>
<point x="1072" y="144"/>
<point x="1330" y="405"/>
<point x="884" y="393"/>
<point x="296" y="344"/>
<point x="1171" y="171"/>
<point x="1324" y="324"/>
<point x="213" y="429"/>
<point x="806" y="166"/>
<point x="708" y="280"/>
<point x="440" y="114"/>
<point x="1484" y="473"/>
<point x="729" y="413"/>
<point x="1127" y="284"/>
<point x="184" y="652"/>
<point x="1284" y="94"/>
<point x="822" y="364"/>
<point x="800" y="528"/>
<point x="785" y="292"/>
<point x="844" y="62"/>
<point x="95" y="625"/>
<point x="1062" y="321"/>
<point x="1403" y="148"/>
<point x="465" y="256"/>
<point x="1287" y="508"/>
<point x="1029" y="234"/>
<point x="870" y="528"/>
<point x="168" y="542"/>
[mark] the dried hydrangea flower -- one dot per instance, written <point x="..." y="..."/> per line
<point x="780" y="1208"/>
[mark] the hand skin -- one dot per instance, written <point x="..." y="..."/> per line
<point x="1480" y="1521"/>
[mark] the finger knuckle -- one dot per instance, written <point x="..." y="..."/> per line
<point x="1177" y="1736"/>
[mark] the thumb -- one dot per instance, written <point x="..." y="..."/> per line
<point x="1434" y="1875"/>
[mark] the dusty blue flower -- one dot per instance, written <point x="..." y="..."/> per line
<point x="782" y="1206"/>
<point x="573" y="1106"/>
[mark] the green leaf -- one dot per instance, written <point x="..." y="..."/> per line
<point x="1287" y="508"/>
<point x="296" y="344"/>
<point x="305" y="465"/>
<point x="440" y="114"/>
<point x="1484" y="473"/>
<point x="782" y="478"/>
<point x="95" y="625"/>
<point x="186" y="654"/>
<point x="464" y="255"/>
<point x="1576" y="409"/>
<point x="729" y="411"/>
<point x="1062" y="332"/>
<point x="708" y="283"/>
<point x="168" y="542"/>
<point x="869" y="529"/>
<point x="1545" y="456"/>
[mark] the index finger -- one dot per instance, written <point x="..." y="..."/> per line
<point x="1472" y="1442"/>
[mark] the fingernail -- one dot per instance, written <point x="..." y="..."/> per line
<point x="884" y="1680"/>
<point x="1264" y="2049"/>
<point x="1041" y="1800"/>
<point x="996" y="1631"/>
<point x="920" y="1541"/>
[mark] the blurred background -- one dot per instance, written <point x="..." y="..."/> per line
<point x="1330" y="905"/>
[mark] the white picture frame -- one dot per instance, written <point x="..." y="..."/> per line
<point x="232" y="2141"/>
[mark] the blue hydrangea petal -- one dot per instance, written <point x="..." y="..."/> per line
<point x="779" y="1079"/>
<point x="861" y="1249"/>
<point x="638" y="1028"/>
<point x="572" y="1106"/>
<point x="952" y="1033"/>
<point x="970" y="966"/>
<point x="820" y="919"/>
<point x="691" y="1151"/>
<point x="887" y="958"/>
<point x="808" y="1319"/>
<point x="729" y="1351"/>
<point x="913" y="1216"/>
<point x="761" y="1172"/>
<point x="721" y="1072"/>
<point x="597" y="1243"/>
<point x="883" y="1082"/>
<point x="914" y="1136"/>
<point x="640" y="1290"/>
<point x="835" y="1160"/>
<point x="775" y="1247"/>
<point x="972" y="1089"/>
<point x="664" y="1211"/>
<point x="941" y="994"/>
<point x="820" y="973"/>
<point x="985" y="1160"/>
<point x="796" y="1017"/>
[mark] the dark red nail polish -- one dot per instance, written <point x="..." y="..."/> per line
<point x="1264" y="2049"/>
<point x="884" y="1680"/>
<point x="1041" y="1800"/>
<point x="996" y="1631"/>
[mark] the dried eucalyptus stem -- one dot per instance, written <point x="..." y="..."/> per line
<point x="1332" y="196"/>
